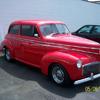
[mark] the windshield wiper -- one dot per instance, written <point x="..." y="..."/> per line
<point x="63" y="33"/>
<point x="53" y="34"/>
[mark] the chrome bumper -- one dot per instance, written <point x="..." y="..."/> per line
<point x="92" y="77"/>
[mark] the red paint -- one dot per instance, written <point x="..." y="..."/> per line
<point x="64" y="49"/>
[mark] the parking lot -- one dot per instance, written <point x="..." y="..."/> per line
<point x="21" y="82"/>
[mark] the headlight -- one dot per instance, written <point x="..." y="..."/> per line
<point x="79" y="64"/>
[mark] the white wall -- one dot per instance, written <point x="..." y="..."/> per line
<point x="75" y="13"/>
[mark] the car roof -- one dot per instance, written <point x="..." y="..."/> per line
<point x="36" y="22"/>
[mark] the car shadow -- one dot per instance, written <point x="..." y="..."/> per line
<point x="24" y="72"/>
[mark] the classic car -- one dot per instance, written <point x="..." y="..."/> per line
<point x="48" y="45"/>
<point x="91" y="32"/>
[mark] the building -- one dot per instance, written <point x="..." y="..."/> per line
<point x="75" y="13"/>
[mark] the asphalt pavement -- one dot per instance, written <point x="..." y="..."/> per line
<point x="22" y="82"/>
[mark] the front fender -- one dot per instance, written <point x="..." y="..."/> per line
<point x="68" y="60"/>
<point x="65" y="59"/>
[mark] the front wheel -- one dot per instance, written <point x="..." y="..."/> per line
<point x="60" y="76"/>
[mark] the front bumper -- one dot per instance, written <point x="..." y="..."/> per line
<point x="90" y="71"/>
<point x="87" y="79"/>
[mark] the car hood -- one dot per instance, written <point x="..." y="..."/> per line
<point x="69" y="38"/>
<point x="74" y="43"/>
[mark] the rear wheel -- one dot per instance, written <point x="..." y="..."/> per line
<point x="7" y="54"/>
<point x="59" y="75"/>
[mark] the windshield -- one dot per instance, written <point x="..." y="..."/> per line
<point x="50" y="29"/>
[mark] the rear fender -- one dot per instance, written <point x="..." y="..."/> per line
<point x="7" y="44"/>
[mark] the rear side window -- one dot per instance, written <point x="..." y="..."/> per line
<point x="29" y="30"/>
<point x="14" y="29"/>
<point x="96" y="30"/>
<point x="85" y="29"/>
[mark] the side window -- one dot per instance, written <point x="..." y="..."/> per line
<point x="26" y="30"/>
<point x="14" y="29"/>
<point x="96" y="30"/>
<point x="85" y="29"/>
<point x="29" y="30"/>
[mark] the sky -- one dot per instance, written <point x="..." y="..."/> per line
<point x="75" y="13"/>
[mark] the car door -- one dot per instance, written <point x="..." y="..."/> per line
<point x="85" y="31"/>
<point x="95" y="34"/>
<point x="30" y="49"/>
<point x="14" y="37"/>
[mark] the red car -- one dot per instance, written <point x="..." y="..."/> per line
<point x="49" y="46"/>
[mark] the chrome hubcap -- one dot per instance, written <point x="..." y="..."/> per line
<point x="58" y="74"/>
<point x="7" y="55"/>
<point x="3" y="52"/>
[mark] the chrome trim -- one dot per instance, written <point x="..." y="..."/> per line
<point x="57" y="45"/>
<point x="90" y="63"/>
<point x="87" y="79"/>
<point x="84" y="51"/>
